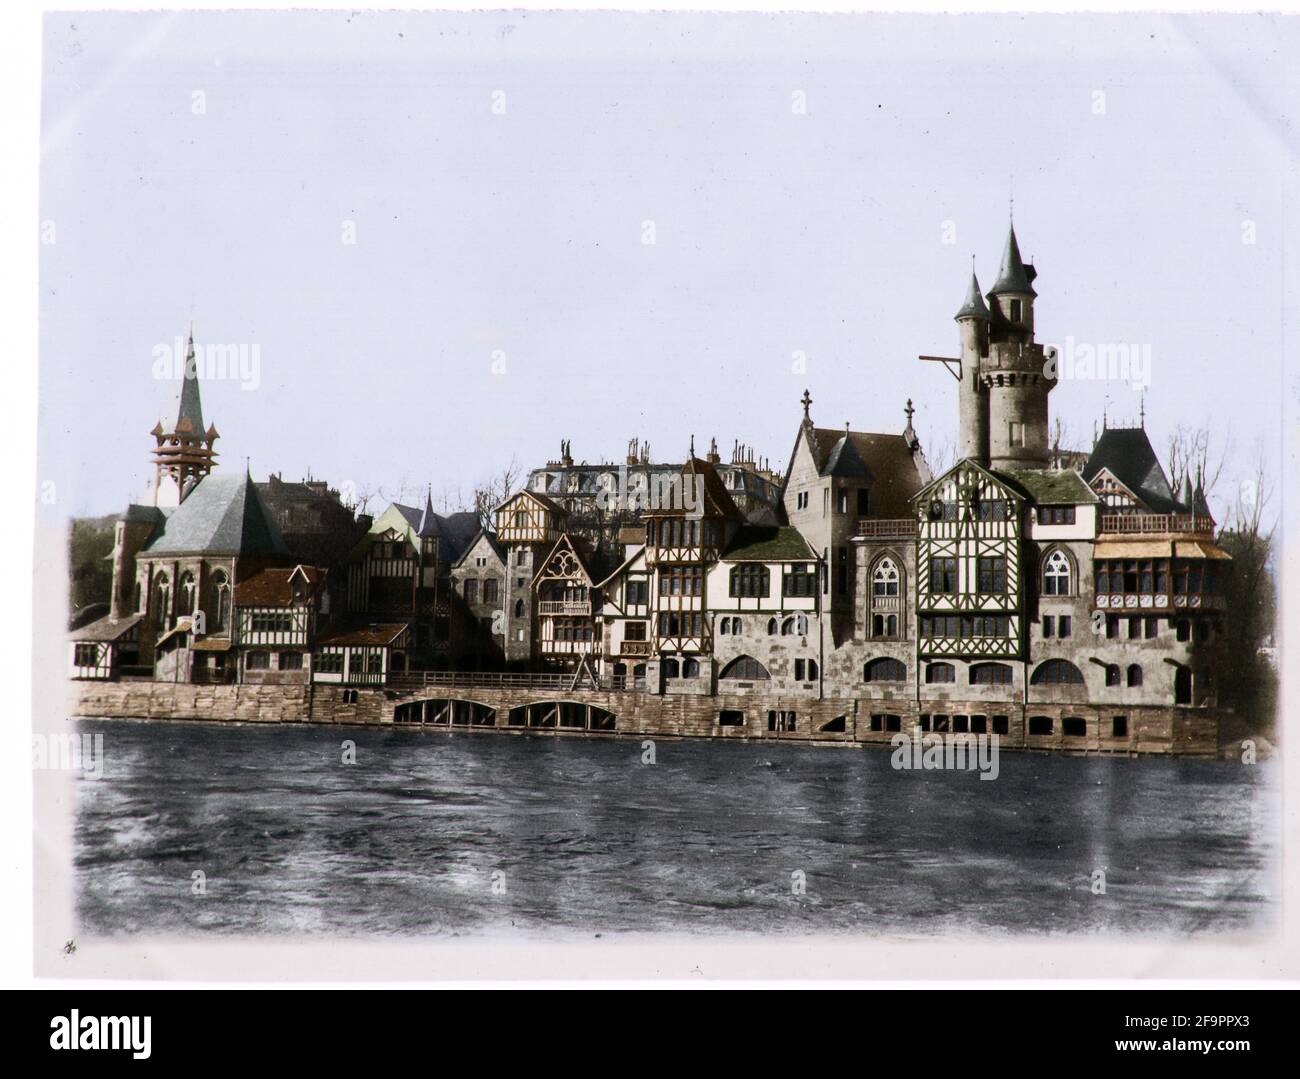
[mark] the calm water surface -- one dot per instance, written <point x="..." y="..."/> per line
<point x="585" y="837"/>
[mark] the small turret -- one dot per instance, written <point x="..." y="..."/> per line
<point x="972" y="318"/>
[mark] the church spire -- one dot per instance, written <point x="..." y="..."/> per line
<point x="189" y="418"/>
<point x="184" y="454"/>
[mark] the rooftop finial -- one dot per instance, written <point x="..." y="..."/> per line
<point x="1142" y="411"/>
<point x="806" y="401"/>
<point x="909" y="412"/>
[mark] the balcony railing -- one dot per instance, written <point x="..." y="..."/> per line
<point x="492" y="679"/>
<point x="1157" y="523"/>
<point x="634" y="648"/>
<point x="564" y="606"/>
<point x="878" y="527"/>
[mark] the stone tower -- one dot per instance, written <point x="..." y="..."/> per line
<point x="972" y="400"/>
<point x="1004" y="381"/>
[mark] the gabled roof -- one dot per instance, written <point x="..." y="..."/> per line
<point x="1126" y="453"/>
<point x="274" y="587"/>
<point x="222" y="515"/>
<point x="716" y="499"/>
<point x="107" y="629"/>
<point x="764" y="543"/>
<point x="580" y="551"/>
<point x="375" y="634"/>
<point x="624" y="566"/>
<point x="1051" y="486"/>
<point x="1001" y="480"/>
<point x="487" y="537"/>
<point x="542" y="500"/>
<point x="894" y="469"/>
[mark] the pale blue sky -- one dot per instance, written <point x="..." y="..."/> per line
<point x="776" y="233"/>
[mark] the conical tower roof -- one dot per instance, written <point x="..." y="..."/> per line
<point x="189" y="418"/>
<point x="974" y="305"/>
<point x="1012" y="274"/>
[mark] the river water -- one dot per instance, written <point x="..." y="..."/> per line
<point x="476" y="834"/>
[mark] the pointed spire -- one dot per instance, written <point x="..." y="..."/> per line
<point x="189" y="419"/>
<point x="974" y="306"/>
<point x="1012" y="274"/>
<point x="428" y="519"/>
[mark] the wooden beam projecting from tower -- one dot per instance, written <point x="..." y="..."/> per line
<point x="945" y="360"/>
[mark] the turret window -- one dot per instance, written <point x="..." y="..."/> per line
<point x="1015" y="311"/>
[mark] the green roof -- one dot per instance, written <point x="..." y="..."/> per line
<point x="1051" y="487"/>
<point x="768" y="543"/>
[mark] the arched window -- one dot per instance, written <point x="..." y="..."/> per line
<point x="884" y="669"/>
<point x="884" y="578"/>
<point x="940" y="672"/>
<point x="161" y="598"/>
<point x="745" y="669"/>
<point x="795" y="626"/>
<point x="990" y="674"/>
<point x="724" y="627"/>
<point x="751" y="580"/>
<point x="771" y="627"/>
<point x="691" y="668"/>
<point x="1056" y="672"/>
<point x="187" y="593"/>
<point x="672" y="669"/>
<point x="1182" y="685"/>
<point x="891" y="625"/>
<point x="222" y="585"/>
<point x="1134" y="675"/>
<point x="1112" y="674"/>
<point x="519" y="608"/>
<point x="1056" y="574"/>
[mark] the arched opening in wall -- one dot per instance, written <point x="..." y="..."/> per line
<point x="990" y="674"/>
<point x="519" y="608"/>
<point x="744" y="669"/>
<point x="671" y="668"/>
<point x="691" y="668"/>
<point x="885" y="598"/>
<point x="1134" y="675"/>
<point x="562" y="715"/>
<point x="444" y="712"/>
<point x="1112" y="674"/>
<point x="1182" y="685"/>
<point x="940" y="674"/>
<point x="884" y="669"/>
<point x="1040" y="724"/>
<point x="1056" y="672"/>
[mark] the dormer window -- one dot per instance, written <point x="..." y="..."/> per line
<point x="1015" y="310"/>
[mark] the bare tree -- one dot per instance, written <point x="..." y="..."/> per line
<point x="1192" y="454"/>
<point x="490" y="493"/>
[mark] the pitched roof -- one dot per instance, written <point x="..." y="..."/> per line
<point x="846" y="462"/>
<point x="491" y="540"/>
<point x="107" y="629"/>
<point x="273" y="587"/>
<point x="894" y="469"/>
<point x="767" y="543"/>
<point x="222" y="515"/>
<point x="1051" y="486"/>
<point x="375" y="634"/>
<point x="973" y="306"/>
<point x="582" y="552"/>
<point x="1012" y="274"/>
<point x="1126" y="453"/>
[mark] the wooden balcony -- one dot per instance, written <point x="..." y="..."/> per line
<point x="564" y="606"/>
<point x="886" y="527"/>
<point x="1156" y="523"/>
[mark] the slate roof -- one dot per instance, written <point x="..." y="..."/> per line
<point x="974" y="305"/>
<point x="716" y="498"/>
<point x="455" y="531"/>
<point x="1126" y="453"/>
<point x="189" y="418"/>
<point x="491" y="539"/>
<point x="1051" y="486"/>
<point x="222" y="515"/>
<point x="1012" y="274"/>
<point x="271" y="587"/>
<point x="374" y="635"/>
<point x="107" y="628"/>
<point x="763" y="543"/>
<point x="895" y="471"/>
